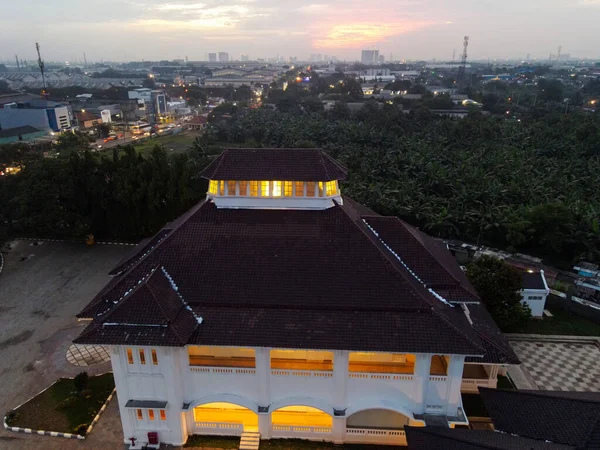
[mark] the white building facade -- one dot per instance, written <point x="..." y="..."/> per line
<point x="322" y="328"/>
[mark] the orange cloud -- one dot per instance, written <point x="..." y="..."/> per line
<point x="356" y="35"/>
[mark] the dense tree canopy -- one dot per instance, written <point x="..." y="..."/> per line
<point x="530" y="185"/>
<point x="499" y="286"/>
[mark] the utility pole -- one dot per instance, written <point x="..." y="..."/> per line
<point x="463" y="65"/>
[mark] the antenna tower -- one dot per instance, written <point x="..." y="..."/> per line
<point x="41" y="64"/>
<point x="463" y="65"/>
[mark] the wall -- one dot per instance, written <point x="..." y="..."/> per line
<point x="19" y="117"/>
<point x="574" y="308"/>
<point x="536" y="306"/>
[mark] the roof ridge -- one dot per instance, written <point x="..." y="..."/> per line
<point x="483" y="336"/>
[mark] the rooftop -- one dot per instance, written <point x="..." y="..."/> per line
<point x="533" y="280"/>
<point x="310" y="164"/>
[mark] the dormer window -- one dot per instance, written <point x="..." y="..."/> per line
<point x="274" y="179"/>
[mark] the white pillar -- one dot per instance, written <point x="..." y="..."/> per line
<point x="169" y="362"/>
<point x="421" y="380"/>
<point x="338" y="431"/>
<point x="119" y="367"/>
<point x="264" y="425"/>
<point x="340" y="378"/>
<point x="455" y="371"/>
<point x="263" y="375"/>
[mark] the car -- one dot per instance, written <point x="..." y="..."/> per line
<point x="110" y="138"/>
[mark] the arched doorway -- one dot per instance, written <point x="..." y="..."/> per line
<point x="376" y="426"/>
<point x="299" y="421"/>
<point x="223" y="418"/>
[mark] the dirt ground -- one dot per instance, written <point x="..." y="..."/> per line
<point x="41" y="289"/>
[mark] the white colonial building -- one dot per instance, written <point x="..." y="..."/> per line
<point x="279" y="307"/>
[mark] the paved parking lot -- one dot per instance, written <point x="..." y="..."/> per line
<point x="41" y="290"/>
<point x="560" y="366"/>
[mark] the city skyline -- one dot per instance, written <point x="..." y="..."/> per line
<point x="169" y="29"/>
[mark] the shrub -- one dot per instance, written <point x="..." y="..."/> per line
<point x="81" y="429"/>
<point x="68" y="402"/>
<point x="86" y="393"/>
<point x="11" y="417"/>
<point x="81" y="381"/>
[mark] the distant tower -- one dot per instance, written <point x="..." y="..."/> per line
<point x="18" y="65"/>
<point x="84" y="60"/>
<point x="453" y="56"/>
<point x="463" y="65"/>
<point x="558" y="54"/>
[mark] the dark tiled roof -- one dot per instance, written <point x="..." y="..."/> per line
<point x="420" y="438"/>
<point x="152" y="313"/>
<point x="291" y="164"/>
<point x="532" y="280"/>
<point x="497" y="348"/>
<point x="18" y="131"/>
<point x="427" y="257"/>
<point x="557" y="417"/>
<point x="140" y="250"/>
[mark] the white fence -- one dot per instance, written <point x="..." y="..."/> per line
<point x="471" y="384"/>
<point x="219" y="428"/>
<point x="375" y="436"/>
<point x="381" y="376"/>
<point x="293" y="431"/>
<point x="301" y="373"/>
<point x="222" y="370"/>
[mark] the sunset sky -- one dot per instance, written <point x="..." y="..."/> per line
<point x="159" y="29"/>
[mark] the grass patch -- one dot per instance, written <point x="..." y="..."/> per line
<point x="562" y="323"/>
<point x="43" y="412"/>
<point x="233" y="442"/>
<point x="175" y="143"/>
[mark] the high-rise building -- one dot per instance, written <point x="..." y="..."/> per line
<point x="244" y="57"/>
<point x="212" y="57"/>
<point x="370" y="57"/>
<point x="381" y="59"/>
<point x="223" y="57"/>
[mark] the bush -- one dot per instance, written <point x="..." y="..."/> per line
<point x="86" y="393"/>
<point x="68" y="402"/>
<point x="81" y="429"/>
<point x="11" y="417"/>
<point x="81" y="381"/>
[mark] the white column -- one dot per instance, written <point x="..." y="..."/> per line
<point x="338" y="430"/>
<point x="264" y="425"/>
<point x="421" y="380"/>
<point x="169" y="362"/>
<point x="119" y="367"/>
<point x="263" y="374"/>
<point x="455" y="371"/>
<point x="340" y="378"/>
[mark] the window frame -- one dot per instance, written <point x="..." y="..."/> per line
<point x="142" y="356"/>
<point x="254" y="189"/>
<point x="162" y="414"/>
<point x="262" y="185"/>
<point x="139" y="414"/>
<point x="243" y="188"/>
<point x="129" y="353"/>
<point x="154" y="355"/>
<point x="229" y="185"/>
<point x="150" y="414"/>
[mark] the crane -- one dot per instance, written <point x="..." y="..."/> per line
<point x="463" y="65"/>
<point x="41" y="64"/>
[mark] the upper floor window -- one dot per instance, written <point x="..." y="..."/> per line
<point x="287" y="188"/>
<point x="310" y="189"/>
<point x="264" y="189"/>
<point x="142" y="356"/>
<point x="129" y="356"/>
<point x="243" y="188"/>
<point x="277" y="188"/>
<point x="231" y="187"/>
<point x="151" y="414"/>
<point x="376" y="362"/>
<point x="299" y="189"/>
<point x="154" y="358"/>
<point x="320" y="189"/>
<point x="139" y="414"/>
<point x="221" y="187"/>
<point x="331" y="188"/>
<point x="163" y="415"/>
<point x="254" y="189"/>
<point x="213" y="186"/>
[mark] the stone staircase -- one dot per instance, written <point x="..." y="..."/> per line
<point x="250" y="440"/>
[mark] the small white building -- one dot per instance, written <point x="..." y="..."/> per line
<point x="279" y="307"/>
<point x="535" y="291"/>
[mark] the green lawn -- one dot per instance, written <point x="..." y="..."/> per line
<point x="227" y="443"/>
<point x="175" y="143"/>
<point x="562" y="323"/>
<point x="43" y="412"/>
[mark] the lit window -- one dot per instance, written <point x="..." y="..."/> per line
<point x="299" y="188"/>
<point x="142" y="357"/>
<point x="151" y="414"/>
<point x="287" y="188"/>
<point x="129" y="356"/>
<point x="254" y="189"/>
<point x="276" y="188"/>
<point x="154" y="357"/>
<point x="139" y="414"/>
<point x="163" y="415"/>
<point x="230" y="187"/>
<point x="330" y="188"/>
<point x="243" y="188"/>
<point x="212" y="186"/>
<point x="320" y="189"/>
<point x="221" y="187"/>
<point x="310" y="189"/>
<point x="264" y="188"/>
